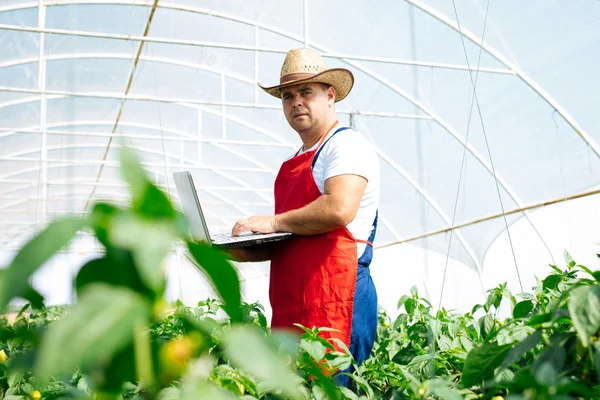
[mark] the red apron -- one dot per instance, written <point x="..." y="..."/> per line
<point x="313" y="278"/>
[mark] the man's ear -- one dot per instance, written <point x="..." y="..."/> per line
<point x="331" y="93"/>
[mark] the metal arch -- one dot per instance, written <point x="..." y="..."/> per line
<point x="75" y="163"/>
<point x="366" y="70"/>
<point x="375" y="76"/>
<point x="114" y="197"/>
<point x="106" y="195"/>
<point x="181" y="103"/>
<point x="4" y="132"/>
<point x="143" y="149"/>
<point x="518" y="72"/>
<point x="149" y="151"/>
<point x="381" y="80"/>
<point x="258" y="163"/>
<point x="123" y="56"/>
<point x="251" y="23"/>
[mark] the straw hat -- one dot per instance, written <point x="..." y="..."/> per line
<point x="305" y="65"/>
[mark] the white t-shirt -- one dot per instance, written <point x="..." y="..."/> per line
<point x="349" y="152"/>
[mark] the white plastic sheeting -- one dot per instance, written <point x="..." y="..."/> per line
<point x="477" y="109"/>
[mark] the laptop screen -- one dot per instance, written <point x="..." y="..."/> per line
<point x="191" y="206"/>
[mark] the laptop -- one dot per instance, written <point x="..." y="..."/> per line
<point x="199" y="230"/>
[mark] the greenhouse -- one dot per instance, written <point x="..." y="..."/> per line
<point x="484" y="119"/>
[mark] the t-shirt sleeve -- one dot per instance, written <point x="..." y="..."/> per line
<point x="350" y="154"/>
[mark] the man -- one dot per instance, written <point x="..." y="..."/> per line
<point x="327" y="195"/>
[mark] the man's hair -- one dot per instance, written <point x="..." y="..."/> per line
<point x="325" y="86"/>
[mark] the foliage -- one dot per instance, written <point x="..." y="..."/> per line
<point x="121" y="340"/>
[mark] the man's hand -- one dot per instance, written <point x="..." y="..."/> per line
<point x="255" y="224"/>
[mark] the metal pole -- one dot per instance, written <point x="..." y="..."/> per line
<point x="494" y="216"/>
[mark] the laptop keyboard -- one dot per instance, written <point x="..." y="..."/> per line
<point x="227" y="238"/>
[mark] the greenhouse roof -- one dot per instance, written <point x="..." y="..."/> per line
<point x="477" y="110"/>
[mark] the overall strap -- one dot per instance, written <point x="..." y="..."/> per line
<point x="343" y="128"/>
<point x="373" y="231"/>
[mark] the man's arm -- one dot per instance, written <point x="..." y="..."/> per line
<point x="335" y="208"/>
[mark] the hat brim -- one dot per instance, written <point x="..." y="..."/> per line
<point x="341" y="79"/>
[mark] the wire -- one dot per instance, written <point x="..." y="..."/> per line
<point x="462" y="164"/>
<point x="483" y="129"/>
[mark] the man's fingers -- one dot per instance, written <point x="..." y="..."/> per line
<point x="238" y="227"/>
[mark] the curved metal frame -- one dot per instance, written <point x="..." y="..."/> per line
<point x="256" y="49"/>
<point x="537" y="88"/>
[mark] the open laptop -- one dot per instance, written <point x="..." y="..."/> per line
<point x="199" y="230"/>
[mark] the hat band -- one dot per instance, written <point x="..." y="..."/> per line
<point x="295" y="77"/>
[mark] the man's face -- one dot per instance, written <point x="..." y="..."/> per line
<point x="307" y="105"/>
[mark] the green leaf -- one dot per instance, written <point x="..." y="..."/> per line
<point x="521" y="349"/>
<point x="421" y="359"/>
<point x="221" y="274"/>
<point x="554" y="267"/>
<point x="546" y="375"/>
<point x="486" y="324"/>
<point x="507" y="294"/>
<point x="314" y="348"/>
<point x="349" y="393"/>
<point x="475" y="308"/>
<point x="113" y="271"/>
<point x="169" y="393"/>
<point x="444" y="343"/>
<point x="442" y="390"/>
<point x="149" y="241"/>
<point x="410" y="306"/>
<point x="568" y="259"/>
<point x="493" y="300"/>
<point x="596" y="358"/>
<point x="481" y="363"/>
<point x="504" y="376"/>
<point x="250" y="350"/>
<point x="584" y="308"/>
<point x="522" y="309"/>
<point x="363" y="384"/>
<point x="120" y="369"/>
<point x="402" y="300"/>
<point x="596" y="275"/>
<point x="514" y="333"/>
<point x="552" y="281"/>
<point x="14" y="279"/>
<point x="98" y="326"/>
<point x="33" y="297"/>
<point x="539" y="319"/>
<point x="466" y="343"/>
<point x="414" y="291"/>
<point x="555" y="355"/>
<point x="143" y="355"/>
<point x="413" y="382"/>
<point x="526" y="296"/>
<point x="585" y="269"/>
<point x="148" y="200"/>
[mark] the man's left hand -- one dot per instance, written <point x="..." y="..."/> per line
<point x="255" y="224"/>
